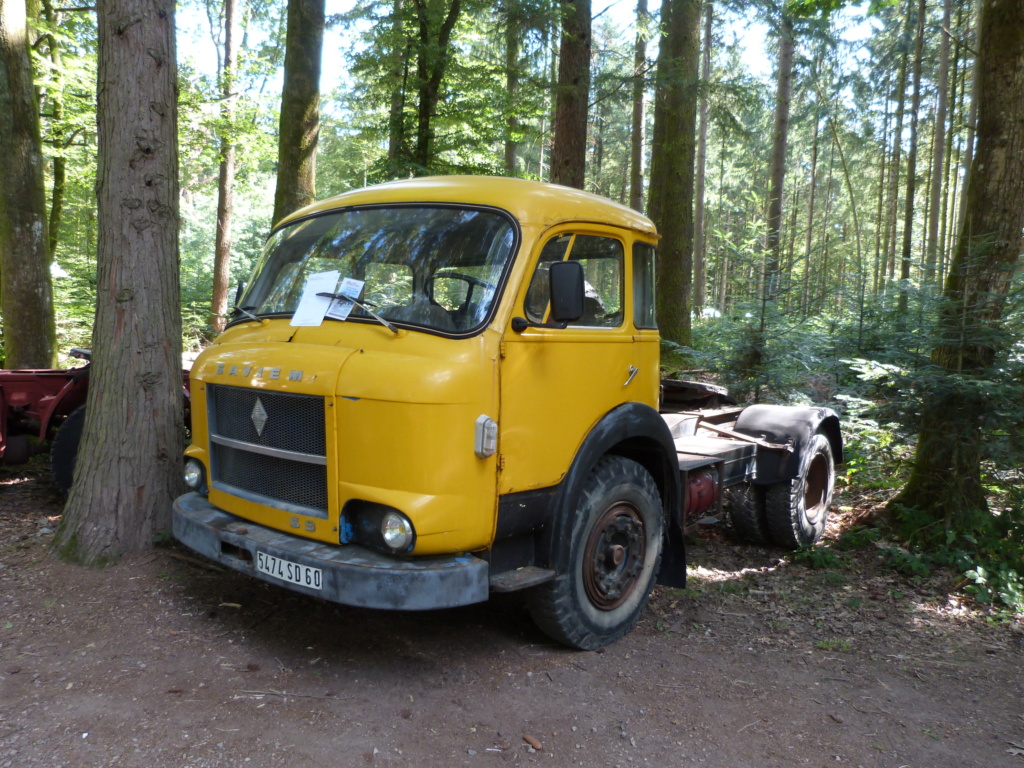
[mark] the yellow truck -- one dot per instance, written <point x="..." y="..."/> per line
<point x="437" y="388"/>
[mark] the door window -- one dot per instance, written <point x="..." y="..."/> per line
<point x="602" y="260"/>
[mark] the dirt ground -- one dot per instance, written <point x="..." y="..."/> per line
<point x="164" y="660"/>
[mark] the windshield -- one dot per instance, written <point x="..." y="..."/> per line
<point x="430" y="266"/>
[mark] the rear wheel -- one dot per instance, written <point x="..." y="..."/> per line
<point x="64" y="450"/>
<point x="614" y="552"/>
<point x="797" y="511"/>
<point x="745" y="505"/>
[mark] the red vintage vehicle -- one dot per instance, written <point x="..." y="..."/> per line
<point x="46" y="407"/>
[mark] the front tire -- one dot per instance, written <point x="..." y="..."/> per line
<point x="797" y="511"/>
<point x="615" y="547"/>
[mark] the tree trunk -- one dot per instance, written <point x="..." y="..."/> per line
<point x="26" y="289"/>
<point x="674" y="195"/>
<point x="513" y="42"/>
<point x="636" y="134"/>
<point x="777" y="172"/>
<point x="226" y="179"/>
<point x="883" y="169"/>
<point x="661" y="77"/>
<point x="56" y="98"/>
<point x="569" y="153"/>
<point x="908" y="205"/>
<point x="300" y="108"/>
<point x="699" y="242"/>
<point x="938" y="150"/>
<point x="896" y="167"/>
<point x="432" y="61"/>
<point x="946" y="475"/>
<point x="809" y="238"/>
<point x="130" y="472"/>
<point x="967" y="161"/>
<point x="397" y="148"/>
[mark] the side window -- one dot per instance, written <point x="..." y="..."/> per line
<point x="643" y="286"/>
<point x="602" y="261"/>
<point x="539" y="292"/>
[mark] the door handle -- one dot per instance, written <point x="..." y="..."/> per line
<point x="633" y="371"/>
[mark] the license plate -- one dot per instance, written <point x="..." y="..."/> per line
<point x="293" y="573"/>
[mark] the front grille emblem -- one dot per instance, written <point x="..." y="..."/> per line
<point x="259" y="417"/>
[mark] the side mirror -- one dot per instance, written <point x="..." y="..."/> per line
<point x="566" y="291"/>
<point x="238" y="292"/>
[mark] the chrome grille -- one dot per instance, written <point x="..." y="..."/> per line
<point x="294" y="422"/>
<point x="275" y="479"/>
<point x="281" y="465"/>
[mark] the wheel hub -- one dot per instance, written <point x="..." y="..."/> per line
<point x="614" y="556"/>
<point x="816" y="489"/>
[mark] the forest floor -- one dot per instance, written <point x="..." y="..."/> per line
<point x="165" y="660"/>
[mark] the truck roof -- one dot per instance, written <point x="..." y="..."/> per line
<point x="531" y="202"/>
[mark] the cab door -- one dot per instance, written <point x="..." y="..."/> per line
<point x="556" y="383"/>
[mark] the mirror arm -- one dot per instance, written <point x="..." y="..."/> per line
<point x="520" y="324"/>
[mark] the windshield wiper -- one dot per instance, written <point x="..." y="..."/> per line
<point x="362" y="306"/>
<point x="245" y="311"/>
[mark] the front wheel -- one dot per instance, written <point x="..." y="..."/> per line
<point x="796" y="512"/>
<point x="614" y="552"/>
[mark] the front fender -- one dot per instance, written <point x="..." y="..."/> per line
<point x="638" y="432"/>
<point x="784" y="423"/>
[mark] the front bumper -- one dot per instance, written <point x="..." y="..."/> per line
<point x="352" y="575"/>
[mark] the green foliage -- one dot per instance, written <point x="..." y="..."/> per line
<point x="819" y="557"/>
<point x="907" y="563"/>
<point x="856" y="538"/>
<point x="834" y="644"/>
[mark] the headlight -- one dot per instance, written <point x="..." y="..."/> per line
<point x="194" y="474"/>
<point x="396" y="531"/>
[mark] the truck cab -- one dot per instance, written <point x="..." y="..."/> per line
<point x="436" y="388"/>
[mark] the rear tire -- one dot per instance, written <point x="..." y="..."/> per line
<point x="615" y="549"/>
<point x="746" y="507"/>
<point x="64" y="450"/>
<point x="798" y="510"/>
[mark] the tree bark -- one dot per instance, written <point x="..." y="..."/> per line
<point x="699" y="241"/>
<point x="26" y="290"/>
<point x="672" y="198"/>
<point x="129" y="468"/>
<point x="226" y="176"/>
<point x="777" y="172"/>
<point x="636" y="133"/>
<point x="300" y="108"/>
<point x="946" y="475"/>
<point x="569" y="153"/>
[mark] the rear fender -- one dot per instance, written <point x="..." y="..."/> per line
<point x="787" y="424"/>
<point x="70" y="396"/>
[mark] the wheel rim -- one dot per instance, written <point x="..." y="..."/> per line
<point x="614" y="556"/>
<point x="816" y="488"/>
